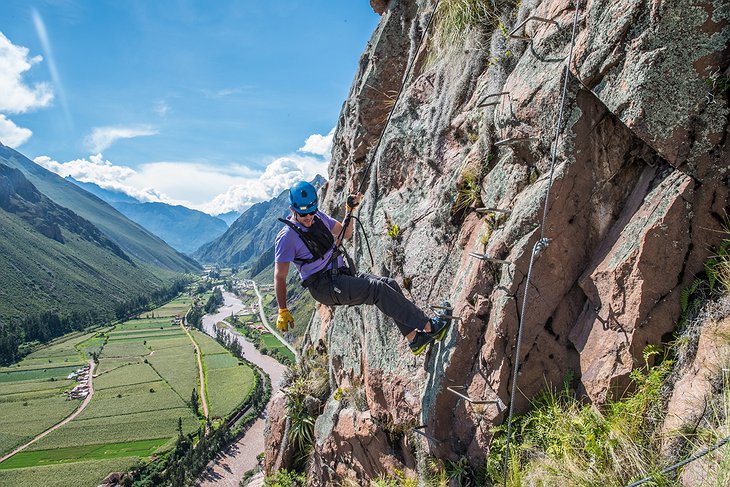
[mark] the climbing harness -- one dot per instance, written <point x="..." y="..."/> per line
<point x="540" y="245"/>
<point x="318" y="240"/>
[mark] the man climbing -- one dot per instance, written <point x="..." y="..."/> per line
<point x="309" y="240"/>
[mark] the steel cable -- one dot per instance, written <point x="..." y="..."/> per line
<point x="540" y="245"/>
<point x="684" y="462"/>
<point x="406" y="77"/>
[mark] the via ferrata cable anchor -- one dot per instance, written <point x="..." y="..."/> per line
<point x="493" y="210"/>
<point x="470" y="400"/>
<point x="515" y="140"/>
<point x="541" y="245"/>
<point x="445" y="312"/>
<point x="514" y="35"/>
<point x="417" y="430"/>
<point x="485" y="103"/>
<point x="487" y="258"/>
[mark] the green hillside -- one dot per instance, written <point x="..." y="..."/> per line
<point x="52" y="259"/>
<point x="134" y="240"/>
<point x="249" y="242"/>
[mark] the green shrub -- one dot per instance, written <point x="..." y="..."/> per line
<point x="563" y="441"/>
<point x="285" y="478"/>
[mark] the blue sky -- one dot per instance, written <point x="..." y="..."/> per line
<point x="215" y="105"/>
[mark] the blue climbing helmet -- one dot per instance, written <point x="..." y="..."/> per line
<point x="303" y="198"/>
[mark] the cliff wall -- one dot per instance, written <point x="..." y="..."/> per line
<point x="638" y="197"/>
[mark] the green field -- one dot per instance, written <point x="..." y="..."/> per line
<point x="40" y="373"/>
<point x="31" y="391"/>
<point x="227" y="388"/>
<point x="146" y="372"/>
<point x="271" y="342"/>
<point x="83" y="473"/>
<point x="142" y="448"/>
<point x="178" y="306"/>
<point x="228" y="382"/>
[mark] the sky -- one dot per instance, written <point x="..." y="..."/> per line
<point x="214" y="105"/>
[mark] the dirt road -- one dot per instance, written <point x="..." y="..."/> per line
<point x="203" y="401"/>
<point x="70" y="417"/>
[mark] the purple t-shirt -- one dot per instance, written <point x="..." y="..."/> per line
<point x="289" y="246"/>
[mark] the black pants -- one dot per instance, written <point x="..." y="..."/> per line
<point x="363" y="288"/>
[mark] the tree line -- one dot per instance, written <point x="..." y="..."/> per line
<point x="18" y="336"/>
<point x="194" y="316"/>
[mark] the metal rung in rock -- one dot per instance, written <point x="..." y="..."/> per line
<point x="467" y="398"/>
<point x="528" y="38"/>
<point x="493" y="210"/>
<point x="418" y="429"/>
<point x="484" y="100"/>
<point x="449" y="316"/>
<point x="449" y="309"/>
<point x="489" y="259"/>
<point x="515" y="140"/>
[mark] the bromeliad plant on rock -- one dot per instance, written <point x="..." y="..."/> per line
<point x="307" y="388"/>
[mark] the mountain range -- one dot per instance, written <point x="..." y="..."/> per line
<point x="249" y="242"/>
<point x="136" y="241"/>
<point x="54" y="259"/>
<point x="182" y="228"/>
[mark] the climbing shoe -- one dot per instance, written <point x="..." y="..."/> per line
<point x="419" y="344"/>
<point x="439" y="323"/>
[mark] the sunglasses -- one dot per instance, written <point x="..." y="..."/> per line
<point x="306" y="214"/>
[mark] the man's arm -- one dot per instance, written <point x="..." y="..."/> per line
<point x="281" y="269"/>
<point x="337" y="228"/>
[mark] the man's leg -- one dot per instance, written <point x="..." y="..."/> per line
<point x="374" y="290"/>
<point x="405" y="330"/>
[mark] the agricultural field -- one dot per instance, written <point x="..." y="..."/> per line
<point x="82" y="473"/>
<point x="272" y="343"/>
<point x="31" y="391"/>
<point x="144" y="378"/>
<point x="263" y="341"/>
<point x="177" y="306"/>
<point x="228" y="381"/>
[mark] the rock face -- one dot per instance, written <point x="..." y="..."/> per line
<point x="639" y="187"/>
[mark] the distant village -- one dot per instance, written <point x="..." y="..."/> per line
<point x="81" y="390"/>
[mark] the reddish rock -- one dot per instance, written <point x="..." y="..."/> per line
<point x="379" y="6"/>
<point x="357" y="448"/>
<point x="635" y="207"/>
<point x="276" y="433"/>
<point x="689" y="399"/>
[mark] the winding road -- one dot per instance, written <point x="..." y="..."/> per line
<point x="70" y="417"/>
<point x="273" y="330"/>
<point x="228" y="467"/>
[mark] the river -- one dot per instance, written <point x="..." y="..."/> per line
<point x="228" y="467"/>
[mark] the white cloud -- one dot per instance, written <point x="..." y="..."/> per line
<point x="12" y="135"/>
<point x="103" y="173"/>
<point x="17" y="97"/>
<point x="214" y="190"/>
<point x="320" y="145"/>
<point x="225" y="92"/>
<point x="101" y="138"/>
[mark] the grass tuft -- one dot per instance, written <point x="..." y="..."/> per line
<point x="455" y="19"/>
